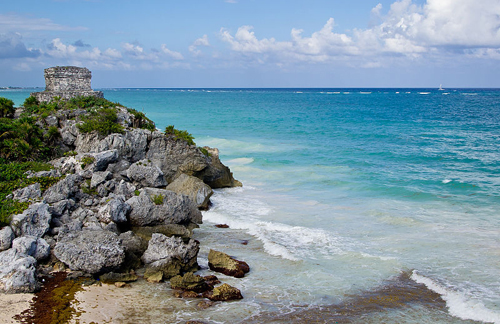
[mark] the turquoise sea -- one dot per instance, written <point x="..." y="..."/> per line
<point x="351" y="198"/>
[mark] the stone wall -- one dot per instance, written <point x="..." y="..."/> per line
<point x="66" y="82"/>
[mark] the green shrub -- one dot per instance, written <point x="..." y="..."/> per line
<point x="87" y="189"/>
<point x="204" y="151"/>
<point x="180" y="134"/>
<point x="31" y="102"/>
<point x="70" y="153"/>
<point x="158" y="199"/>
<point x="9" y="207"/>
<point x="141" y="121"/>
<point x="104" y="121"/>
<point x="6" y="107"/>
<point x="137" y="192"/>
<point x="87" y="160"/>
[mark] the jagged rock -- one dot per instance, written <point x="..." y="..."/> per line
<point x="44" y="174"/>
<point x="119" y="169"/>
<point x="99" y="178"/>
<point x="115" y="210"/>
<point x="225" y="292"/>
<point x="27" y="193"/>
<point x="146" y="232"/>
<point x="190" y="282"/>
<point x="146" y="174"/>
<point x="64" y="189"/>
<point x="153" y="276"/>
<point x="6" y="237"/>
<point x="125" y="188"/>
<point x="217" y="175"/>
<point x="174" y="208"/>
<point x="205" y="304"/>
<point x="194" y="188"/>
<point x="175" y="157"/>
<point x="103" y="158"/>
<point x="221" y="262"/>
<point x="34" y="221"/>
<point x="69" y="134"/>
<point x="170" y="255"/>
<point x="112" y="277"/>
<point x="133" y="243"/>
<point x="32" y="246"/>
<point x="90" y="251"/>
<point x="60" y="207"/>
<point x="17" y="272"/>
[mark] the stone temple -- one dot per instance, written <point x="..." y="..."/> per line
<point x="66" y="82"/>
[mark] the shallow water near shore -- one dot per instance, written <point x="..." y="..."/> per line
<point x="348" y="194"/>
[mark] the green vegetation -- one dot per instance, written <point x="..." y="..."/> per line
<point x="141" y="121"/>
<point x="6" y="107"/>
<point x="204" y="151"/>
<point x="87" y="160"/>
<point x="12" y="177"/>
<point x="180" y="134"/>
<point x="87" y="189"/>
<point x="158" y="199"/>
<point x="137" y="192"/>
<point x="104" y="121"/>
<point x="32" y="105"/>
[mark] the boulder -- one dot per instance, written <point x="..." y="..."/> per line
<point x="189" y="281"/>
<point x="146" y="232"/>
<point x="194" y="188"/>
<point x="146" y="174"/>
<point x="27" y="193"/>
<point x="17" y="272"/>
<point x="90" y="251"/>
<point x="115" y="210"/>
<point x="100" y="177"/>
<point x="104" y="158"/>
<point x="221" y="262"/>
<point x="225" y="292"/>
<point x="170" y="255"/>
<point x="112" y="277"/>
<point x="133" y="243"/>
<point x="6" y="237"/>
<point x="64" y="189"/>
<point x="34" y="221"/>
<point x="158" y="206"/>
<point x="32" y="246"/>
<point x="175" y="157"/>
<point x="216" y="174"/>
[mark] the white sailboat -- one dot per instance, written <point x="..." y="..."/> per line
<point x="441" y="87"/>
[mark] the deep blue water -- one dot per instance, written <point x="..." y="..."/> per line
<point x="344" y="188"/>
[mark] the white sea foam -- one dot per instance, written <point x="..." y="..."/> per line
<point x="447" y="181"/>
<point x="424" y="93"/>
<point x="459" y="305"/>
<point x="240" y="161"/>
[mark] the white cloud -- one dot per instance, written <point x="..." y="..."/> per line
<point x="407" y="30"/>
<point x="202" y="41"/>
<point x="172" y="54"/>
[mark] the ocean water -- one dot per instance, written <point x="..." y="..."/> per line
<point x="358" y="205"/>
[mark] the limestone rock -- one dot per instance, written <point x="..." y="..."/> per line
<point x="112" y="277"/>
<point x="190" y="282"/>
<point x="146" y="174"/>
<point x="172" y="208"/>
<point x="34" y="221"/>
<point x="100" y="177"/>
<point x="171" y="255"/>
<point x="27" y="193"/>
<point x="32" y="246"/>
<point x="115" y="210"/>
<point x="17" y="272"/>
<point x="146" y="232"/>
<point x="133" y="243"/>
<point x="153" y="276"/>
<point x="225" y="292"/>
<point x="175" y="157"/>
<point x="64" y="189"/>
<point x="6" y="237"/>
<point x="90" y="251"/>
<point x="194" y="188"/>
<point x="221" y="262"/>
<point x="217" y="175"/>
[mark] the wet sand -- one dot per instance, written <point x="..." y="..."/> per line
<point x="13" y="304"/>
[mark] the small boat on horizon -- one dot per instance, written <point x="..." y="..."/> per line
<point x="441" y="87"/>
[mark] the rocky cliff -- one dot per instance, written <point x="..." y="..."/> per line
<point x="124" y="197"/>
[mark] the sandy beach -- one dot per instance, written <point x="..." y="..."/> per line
<point x="13" y="304"/>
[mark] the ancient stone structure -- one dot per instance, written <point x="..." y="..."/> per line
<point x="66" y="82"/>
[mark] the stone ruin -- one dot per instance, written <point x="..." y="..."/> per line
<point x="66" y="82"/>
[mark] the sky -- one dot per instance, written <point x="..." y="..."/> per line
<point x="254" y="43"/>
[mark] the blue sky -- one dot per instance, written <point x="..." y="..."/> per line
<point x="254" y="43"/>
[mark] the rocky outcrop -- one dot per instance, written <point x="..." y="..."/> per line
<point x="146" y="174"/>
<point x="221" y="262"/>
<point x="189" y="281"/>
<point x="160" y="207"/>
<point x="225" y="292"/>
<point x="194" y="188"/>
<point x="34" y="221"/>
<point x="17" y="272"/>
<point x="170" y="255"/>
<point x="90" y="251"/>
<point x="6" y="237"/>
